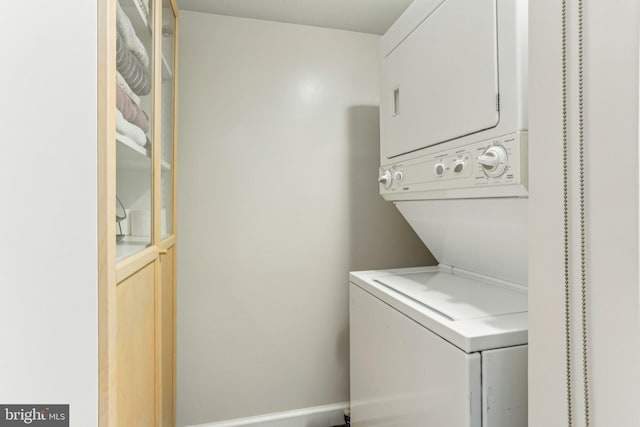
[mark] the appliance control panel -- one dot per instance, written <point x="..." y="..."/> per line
<point x="492" y="168"/>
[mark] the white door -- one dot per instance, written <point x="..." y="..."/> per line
<point x="402" y="375"/>
<point x="441" y="81"/>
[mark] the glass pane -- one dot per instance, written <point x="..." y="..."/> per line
<point x="134" y="71"/>
<point x="168" y="49"/>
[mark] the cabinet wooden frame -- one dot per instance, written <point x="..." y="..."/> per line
<point x="170" y="242"/>
<point x="156" y="200"/>
<point x="107" y="308"/>
<point x="174" y="171"/>
<point x="111" y="272"/>
<point x="130" y="266"/>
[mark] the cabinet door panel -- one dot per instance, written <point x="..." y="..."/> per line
<point x="134" y="126"/>
<point x="136" y="349"/>
<point x="168" y="119"/>
<point x="167" y="325"/>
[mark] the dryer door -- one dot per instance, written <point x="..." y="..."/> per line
<point x="441" y="81"/>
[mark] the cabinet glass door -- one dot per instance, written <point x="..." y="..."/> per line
<point x="168" y="124"/>
<point x="134" y="83"/>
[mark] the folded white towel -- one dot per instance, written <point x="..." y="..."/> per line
<point x="130" y="111"/>
<point x="125" y="28"/>
<point x="130" y="130"/>
<point x="131" y="68"/>
<point x="125" y="87"/>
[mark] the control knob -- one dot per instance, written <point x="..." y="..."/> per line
<point x="458" y="166"/>
<point x="493" y="161"/>
<point x="385" y="179"/>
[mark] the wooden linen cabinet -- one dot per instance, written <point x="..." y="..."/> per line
<point x="137" y="132"/>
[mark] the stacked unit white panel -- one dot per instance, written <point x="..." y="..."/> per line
<point x="446" y="346"/>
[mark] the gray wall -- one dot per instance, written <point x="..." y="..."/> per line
<point x="611" y="132"/>
<point x="277" y="203"/>
<point x="48" y="183"/>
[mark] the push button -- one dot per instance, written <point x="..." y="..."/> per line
<point x="458" y="166"/>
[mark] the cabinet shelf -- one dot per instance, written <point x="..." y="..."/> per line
<point x="132" y="156"/>
<point x="129" y="246"/>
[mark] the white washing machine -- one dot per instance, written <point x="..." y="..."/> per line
<point x="437" y="347"/>
<point x="446" y="346"/>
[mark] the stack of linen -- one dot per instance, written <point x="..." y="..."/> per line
<point x="133" y="81"/>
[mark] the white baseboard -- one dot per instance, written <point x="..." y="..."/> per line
<point x="318" y="416"/>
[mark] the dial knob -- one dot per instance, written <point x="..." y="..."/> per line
<point x="493" y="161"/>
<point x="385" y="179"/>
<point x="439" y="169"/>
<point x="458" y="166"/>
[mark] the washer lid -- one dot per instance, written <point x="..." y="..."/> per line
<point x="471" y="311"/>
<point x="455" y="297"/>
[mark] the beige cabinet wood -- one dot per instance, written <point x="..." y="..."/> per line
<point x="167" y="315"/>
<point x="137" y="253"/>
<point x="136" y="349"/>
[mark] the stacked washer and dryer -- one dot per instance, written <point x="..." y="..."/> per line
<point x="446" y="346"/>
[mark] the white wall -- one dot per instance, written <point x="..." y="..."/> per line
<point x="277" y="202"/>
<point x="48" y="237"/>
<point x="611" y="106"/>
